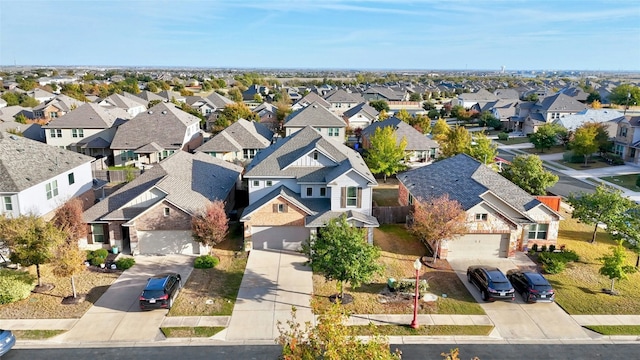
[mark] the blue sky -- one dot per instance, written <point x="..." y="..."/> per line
<point x="340" y="34"/>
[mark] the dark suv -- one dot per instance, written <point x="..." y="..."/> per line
<point x="160" y="291"/>
<point x="491" y="282"/>
<point x="531" y="285"/>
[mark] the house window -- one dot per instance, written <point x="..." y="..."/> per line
<point x="77" y="133"/>
<point x="55" y="133"/>
<point x="280" y="208"/>
<point x="268" y="183"/>
<point x="334" y="131"/>
<point x="128" y="155"/>
<point x="323" y="192"/>
<point x="309" y="191"/>
<point x="72" y="178"/>
<point x="623" y="132"/>
<point x="249" y="153"/>
<point x="481" y="217"/>
<point x="352" y="196"/>
<point x="315" y="155"/>
<point x="52" y="189"/>
<point x="256" y="183"/>
<point x="53" y="115"/>
<point x="8" y="205"/>
<point x="167" y="211"/>
<point x="538" y="231"/>
<point x="618" y="149"/>
<point x="410" y="199"/>
<point x="98" y="233"/>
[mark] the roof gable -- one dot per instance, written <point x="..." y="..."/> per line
<point x="314" y="115"/>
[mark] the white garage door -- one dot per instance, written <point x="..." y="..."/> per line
<point x="279" y="237"/>
<point x="479" y="246"/>
<point x="167" y="242"/>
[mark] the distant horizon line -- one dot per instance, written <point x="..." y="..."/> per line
<point x="315" y="69"/>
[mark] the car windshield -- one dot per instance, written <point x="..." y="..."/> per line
<point x="542" y="287"/>
<point x="152" y="294"/>
<point x="500" y="285"/>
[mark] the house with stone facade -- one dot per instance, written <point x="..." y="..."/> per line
<point x="627" y="139"/>
<point x="152" y="214"/>
<point x="501" y="217"/>
<point x="300" y="183"/>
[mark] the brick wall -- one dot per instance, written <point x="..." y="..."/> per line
<point x="154" y="219"/>
<point x="265" y="216"/>
<point x="403" y="195"/>
<point x="193" y="143"/>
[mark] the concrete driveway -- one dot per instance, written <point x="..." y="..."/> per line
<point x="273" y="282"/>
<point x="519" y="320"/>
<point x="116" y="316"/>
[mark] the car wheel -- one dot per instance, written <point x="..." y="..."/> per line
<point x="484" y="295"/>
<point x="529" y="297"/>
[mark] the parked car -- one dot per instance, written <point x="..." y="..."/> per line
<point x="491" y="282"/>
<point x="531" y="285"/>
<point x="160" y="291"/>
<point x="7" y="340"/>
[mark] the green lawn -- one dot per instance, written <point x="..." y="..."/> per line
<point x="430" y="330"/>
<point x="186" y="332"/>
<point x="36" y="334"/>
<point x="627" y="181"/>
<point x="579" y="287"/>
<point x="385" y="197"/>
<point x="615" y="329"/>
<point x="514" y="141"/>
<point x="553" y="150"/>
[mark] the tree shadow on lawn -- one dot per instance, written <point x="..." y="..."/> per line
<point x="95" y="293"/>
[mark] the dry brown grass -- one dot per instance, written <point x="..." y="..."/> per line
<point x="48" y="305"/>
<point x="399" y="250"/>
<point x="219" y="286"/>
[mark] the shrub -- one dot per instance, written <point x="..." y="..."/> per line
<point x="554" y="263"/>
<point x="103" y="253"/>
<point x="97" y="257"/>
<point x="409" y="285"/>
<point x="552" y="248"/>
<point x="543" y="248"/>
<point x="503" y="136"/>
<point x="535" y="247"/>
<point x="553" y="266"/>
<point x="205" y="262"/>
<point x="15" y="285"/>
<point x="125" y="263"/>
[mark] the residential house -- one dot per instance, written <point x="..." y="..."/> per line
<point x="301" y="182"/>
<point x="320" y="118"/>
<point x="37" y="178"/>
<point x="55" y="107"/>
<point x="204" y="106"/>
<point x="148" y="96"/>
<point x="384" y="93"/>
<point x="360" y="116"/>
<point x="152" y="214"/>
<point x="341" y="101"/>
<point x="547" y="110"/>
<point x="132" y="105"/>
<point x="171" y="96"/>
<point x="627" y="139"/>
<point x="468" y="100"/>
<point x="240" y="142"/>
<point x="88" y="130"/>
<point x="253" y="90"/>
<point x="155" y="134"/>
<point x="501" y="217"/>
<point x="419" y="149"/>
<point x="309" y="99"/>
<point x="608" y="117"/>
<point x="268" y="114"/>
<point x="219" y="102"/>
<point x="41" y="95"/>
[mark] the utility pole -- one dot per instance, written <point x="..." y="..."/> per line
<point x="627" y="107"/>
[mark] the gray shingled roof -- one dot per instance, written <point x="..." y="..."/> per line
<point x="314" y="115"/>
<point x="190" y="181"/>
<point x="89" y="116"/>
<point x="561" y="102"/>
<point x="415" y="139"/>
<point x="311" y="206"/>
<point x="218" y="100"/>
<point x="123" y="102"/>
<point x="464" y="179"/>
<point x="242" y="134"/>
<point x="25" y="163"/>
<point x="275" y="160"/>
<point x="322" y="219"/>
<point x="148" y="96"/>
<point x="362" y="107"/>
<point x="312" y="97"/>
<point x="62" y="102"/>
<point x="572" y="122"/>
<point x="165" y="124"/>
<point x="341" y="96"/>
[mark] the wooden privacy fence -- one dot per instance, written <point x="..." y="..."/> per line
<point x="391" y="214"/>
<point x="117" y="176"/>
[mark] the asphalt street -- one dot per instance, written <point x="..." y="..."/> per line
<point x="409" y="352"/>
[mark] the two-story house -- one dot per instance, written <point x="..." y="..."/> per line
<point x="501" y="217"/>
<point x="131" y="104"/>
<point x="550" y="108"/>
<point x="309" y="99"/>
<point x="419" y="149"/>
<point x="88" y="130"/>
<point x="341" y="101"/>
<point x="360" y="116"/>
<point x="56" y="107"/>
<point x="301" y="182"/>
<point x="219" y="102"/>
<point x="152" y="214"/>
<point x="627" y="139"/>
<point x="240" y="142"/>
<point x="36" y="178"/>
<point x="155" y="134"/>
<point x="320" y="118"/>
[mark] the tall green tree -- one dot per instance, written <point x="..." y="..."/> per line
<point x="527" y="172"/>
<point x="483" y="149"/>
<point x="546" y="136"/>
<point x="232" y="113"/>
<point x="625" y="94"/>
<point x="604" y="206"/>
<point x="421" y="123"/>
<point x="235" y="94"/>
<point x="379" y="105"/>
<point x="614" y="265"/>
<point x="32" y="240"/>
<point x="386" y="155"/>
<point x="340" y="252"/>
<point x="458" y="141"/>
<point x="584" y="142"/>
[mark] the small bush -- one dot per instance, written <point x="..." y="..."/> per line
<point x="554" y="263"/>
<point x="503" y="136"/>
<point x="205" y="262"/>
<point x="552" y="248"/>
<point x="554" y="266"/>
<point x="125" y="263"/>
<point x="543" y="248"/>
<point x="535" y="247"/>
<point x="103" y="253"/>
<point x="15" y="285"/>
<point x="97" y="257"/>
<point x="405" y="286"/>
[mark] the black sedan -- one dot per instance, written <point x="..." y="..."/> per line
<point x="491" y="282"/>
<point x="532" y="286"/>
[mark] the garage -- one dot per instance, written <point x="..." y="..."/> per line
<point x="167" y="242"/>
<point x="479" y="246"/>
<point x="279" y="237"/>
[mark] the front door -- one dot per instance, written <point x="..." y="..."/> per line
<point x="126" y="240"/>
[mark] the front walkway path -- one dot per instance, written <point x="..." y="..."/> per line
<point x="273" y="282"/>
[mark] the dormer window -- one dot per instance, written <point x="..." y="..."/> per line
<point x="315" y="155"/>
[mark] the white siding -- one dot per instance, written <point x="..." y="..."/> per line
<point x="68" y="139"/>
<point x="351" y="179"/>
<point x="146" y="199"/>
<point x="308" y="160"/>
<point x="257" y="192"/>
